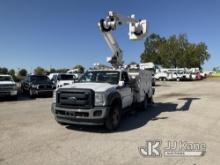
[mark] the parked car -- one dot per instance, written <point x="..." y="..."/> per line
<point x="7" y="87"/>
<point x="64" y="79"/>
<point x="36" y="85"/>
<point x="177" y="76"/>
<point x="161" y="76"/>
<point x="53" y="77"/>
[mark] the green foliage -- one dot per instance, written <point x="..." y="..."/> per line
<point x="80" y="68"/>
<point x="22" y="72"/>
<point x="3" y="70"/>
<point x="39" y="71"/>
<point x="52" y="70"/>
<point x="174" y="51"/>
<point x="11" y="72"/>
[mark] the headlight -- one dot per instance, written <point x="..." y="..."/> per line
<point x="99" y="99"/>
<point x="34" y="86"/>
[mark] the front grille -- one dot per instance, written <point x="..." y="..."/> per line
<point x="6" y="87"/>
<point x="75" y="98"/>
<point x="45" y="87"/>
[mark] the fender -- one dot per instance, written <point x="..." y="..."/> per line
<point x="112" y="97"/>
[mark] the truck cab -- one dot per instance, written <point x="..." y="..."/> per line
<point x="64" y="79"/>
<point x="100" y="97"/>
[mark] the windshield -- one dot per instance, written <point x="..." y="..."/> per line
<point x="111" y="77"/>
<point x="66" y="77"/>
<point x="39" y="78"/>
<point x="6" y="78"/>
<point x="134" y="70"/>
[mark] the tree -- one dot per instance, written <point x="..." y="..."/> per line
<point x="39" y="71"/>
<point x="80" y="68"/>
<point x="174" y="51"/>
<point x="52" y="70"/>
<point x="3" y="70"/>
<point x="22" y="72"/>
<point x="11" y="72"/>
<point x="62" y="70"/>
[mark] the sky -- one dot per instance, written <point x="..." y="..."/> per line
<point x="63" y="33"/>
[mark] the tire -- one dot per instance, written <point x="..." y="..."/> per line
<point x="153" y="83"/>
<point x="31" y="94"/>
<point x="145" y="103"/>
<point x="113" y="120"/>
<point x="61" y="123"/>
<point x="15" y="97"/>
<point x="22" y="90"/>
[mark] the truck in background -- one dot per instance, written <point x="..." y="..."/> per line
<point x="8" y="87"/>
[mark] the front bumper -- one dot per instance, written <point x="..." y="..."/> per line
<point x="42" y="92"/>
<point x="8" y="93"/>
<point x="94" y="116"/>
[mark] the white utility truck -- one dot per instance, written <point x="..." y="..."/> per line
<point x="101" y="96"/>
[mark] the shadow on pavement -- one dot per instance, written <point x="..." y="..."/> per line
<point x="187" y="104"/>
<point x="22" y="97"/>
<point x="139" y="118"/>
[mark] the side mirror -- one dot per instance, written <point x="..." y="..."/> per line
<point x="121" y="83"/>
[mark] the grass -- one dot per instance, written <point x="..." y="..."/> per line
<point x="216" y="74"/>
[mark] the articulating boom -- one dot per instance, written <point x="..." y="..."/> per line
<point x="137" y="31"/>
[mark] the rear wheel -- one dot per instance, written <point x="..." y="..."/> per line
<point x="113" y="120"/>
<point x="145" y="103"/>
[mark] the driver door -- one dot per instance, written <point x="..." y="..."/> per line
<point x="125" y="91"/>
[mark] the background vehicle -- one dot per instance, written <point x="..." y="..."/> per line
<point x="74" y="72"/>
<point x="53" y="77"/>
<point x="151" y="67"/>
<point x="64" y="79"/>
<point x="7" y="87"/>
<point x="175" y="75"/>
<point x="37" y="85"/>
<point x="162" y="76"/>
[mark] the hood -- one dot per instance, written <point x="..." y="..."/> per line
<point x="7" y="82"/>
<point x="97" y="87"/>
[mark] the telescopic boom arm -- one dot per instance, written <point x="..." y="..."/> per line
<point x="137" y="31"/>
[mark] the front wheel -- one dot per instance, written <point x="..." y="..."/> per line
<point x="31" y="93"/>
<point x="113" y="120"/>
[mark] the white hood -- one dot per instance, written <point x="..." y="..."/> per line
<point x="97" y="87"/>
<point x="7" y="82"/>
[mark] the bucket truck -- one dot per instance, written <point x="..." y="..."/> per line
<point x="102" y="96"/>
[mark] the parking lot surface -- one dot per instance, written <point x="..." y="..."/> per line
<point x="183" y="111"/>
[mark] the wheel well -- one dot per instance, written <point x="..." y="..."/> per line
<point x="116" y="101"/>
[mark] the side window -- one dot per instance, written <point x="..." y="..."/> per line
<point x="125" y="77"/>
